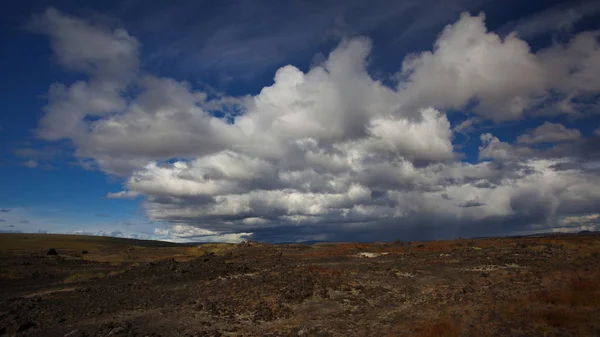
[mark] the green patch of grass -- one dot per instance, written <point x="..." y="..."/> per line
<point x="217" y="248"/>
<point x="83" y="276"/>
<point x="116" y="272"/>
<point x="537" y="248"/>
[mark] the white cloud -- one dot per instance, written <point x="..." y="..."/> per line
<point x="549" y="133"/>
<point x="468" y="63"/>
<point x="330" y="151"/>
<point x="502" y="77"/>
<point x="108" y="56"/>
<point x="96" y="50"/>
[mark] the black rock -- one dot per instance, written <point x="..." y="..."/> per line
<point x="25" y="326"/>
<point x="84" y="251"/>
<point x="52" y="251"/>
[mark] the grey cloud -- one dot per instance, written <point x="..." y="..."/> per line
<point x="10" y="231"/>
<point x="484" y="184"/>
<point x="123" y="195"/>
<point x="565" y="166"/>
<point x="558" y="18"/>
<point x="585" y="149"/>
<point x="415" y="227"/>
<point x="116" y="234"/>
<point x="467" y="126"/>
<point x="5" y="210"/>
<point x="493" y="148"/>
<point x="472" y="203"/>
<point x="572" y="69"/>
<point x="549" y="133"/>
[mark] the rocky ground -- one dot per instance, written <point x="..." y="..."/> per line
<point x="488" y="287"/>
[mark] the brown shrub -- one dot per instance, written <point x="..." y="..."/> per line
<point x="441" y="327"/>
<point x="578" y="292"/>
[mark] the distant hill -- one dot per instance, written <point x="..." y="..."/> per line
<point x="13" y="241"/>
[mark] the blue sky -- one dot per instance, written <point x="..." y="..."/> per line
<point x="334" y="120"/>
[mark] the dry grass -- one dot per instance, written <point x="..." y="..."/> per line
<point x="441" y="327"/>
<point x="435" y="327"/>
<point x="578" y="292"/>
<point x="568" y="303"/>
<point x="115" y="251"/>
<point x="33" y="242"/>
<point x="36" y="242"/>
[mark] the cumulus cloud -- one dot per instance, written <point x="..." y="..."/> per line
<point x="331" y="152"/>
<point x="502" y="77"/>
<point x="549" y="133"/>
<point x="468" y="63"/>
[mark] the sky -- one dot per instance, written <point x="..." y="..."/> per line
<point x="289" y="121"/>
